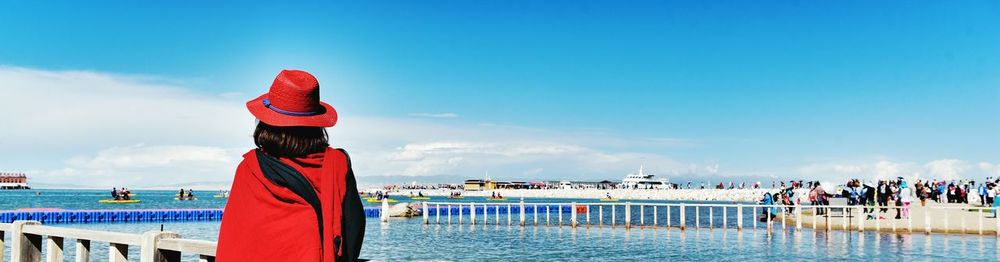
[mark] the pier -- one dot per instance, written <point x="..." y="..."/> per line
<point x="936" y="218"/>
<point x="27" y="234"/>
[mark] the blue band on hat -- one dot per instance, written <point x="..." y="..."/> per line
<point x="267" y="103"/>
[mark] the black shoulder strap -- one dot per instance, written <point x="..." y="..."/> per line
<point x="286" y="176"/>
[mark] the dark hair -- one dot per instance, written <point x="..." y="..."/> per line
<point x="290" y="142"/>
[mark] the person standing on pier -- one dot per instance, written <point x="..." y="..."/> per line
<point x="293" y="197"/>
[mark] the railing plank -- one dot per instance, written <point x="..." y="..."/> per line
<point x="201" y="247"/>
<point x="92" y="235"/>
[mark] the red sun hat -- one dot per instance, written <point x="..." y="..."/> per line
<point x="293" y="100"/>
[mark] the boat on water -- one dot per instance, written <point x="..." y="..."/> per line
<point x="642" y="180"/>
<point x="609" y="199"/>
<point x="112" y="201"/>
<point x="185" y="199"/>
<point x="456" y="197"/>
<point x="497" y="199"/>
<point x="376" y="200"/>
<point x="220" y="196"/>
<point x="13" y="181"/>
<point x="420" y="198"/>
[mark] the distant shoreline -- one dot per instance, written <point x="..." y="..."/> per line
<point x="734" y="195"/>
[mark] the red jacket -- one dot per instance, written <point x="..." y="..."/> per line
<point x="267" y="221"/>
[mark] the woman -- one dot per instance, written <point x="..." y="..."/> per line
<point x="293" y="198"/>
<point x="905" y="196"/>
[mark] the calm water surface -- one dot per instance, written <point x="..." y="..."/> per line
<point x="410" y="240"/>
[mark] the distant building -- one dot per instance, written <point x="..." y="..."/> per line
<point x="475" y="185"/>
<point x="14" y="181"/>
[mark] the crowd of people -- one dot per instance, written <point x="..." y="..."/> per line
<point x="883" y="195"/>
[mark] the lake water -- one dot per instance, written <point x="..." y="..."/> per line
<point x="408" y="239"/>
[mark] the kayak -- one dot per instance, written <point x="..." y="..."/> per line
<point x="219" y="196"/>
<point x="456" y="197"/>
<point x="375" y="200"/>
<point x="497" y="199"/>
<point x="112" y="201"/>
<point x="179" y="199"/>
<point x="609" y="200"/>
<point x="421" y="198"/>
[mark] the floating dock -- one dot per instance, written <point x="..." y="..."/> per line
<point x="57" y="216"/>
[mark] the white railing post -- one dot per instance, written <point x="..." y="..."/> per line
<point x="754" y="217"/>
<point x="460" y="214"/>
<point x="117" y="252"/>
<point x="980" y="221"/>
<point x="642" y="215"/>
<point x="861" y="219"/>
<point x="628" y="215"/>
<point x="572" y="216"/>
<point x="815" y="215"/>
<point x="385" y="210"/>
<point x="149" y="251"/>
<point x="798" y="218"/>
<point x="668" y="216"/>
<point x="683" y="220"/>
<point x="613" y="211"/>
<point x="588" y="215"/>
<point x="53" y="249"/>
<point x="472" y="213"/>
<point x="600" y="215"/>
<point x="82" y="250"/>
<point x="521" y="206"/>
<point x="711" y="217"/>
<point x="697" y="217"/>
<point x="784" y="215"/>
<point x="24" y="247"/>
<point x="426" y="214"/>
<point x="449" y="214"/>
<point x="509" y="215"/>
<point x="927" y="220"/>
<point x="437" y="213"/>
<point x="909" y="220"/>
<point x="496" y="212"/>
<point x="654" y="216"/>
<point x="739" y="217"/>
<point x="843" y="219"/>
<point x="535" y="211"/>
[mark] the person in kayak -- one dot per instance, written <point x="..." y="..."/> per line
<point x="287" y="202"/>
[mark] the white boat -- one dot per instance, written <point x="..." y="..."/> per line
<point x="642" y="180"/>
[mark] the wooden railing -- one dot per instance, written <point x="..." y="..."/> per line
<point x="26" y="243"/>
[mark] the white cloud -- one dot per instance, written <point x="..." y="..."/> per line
<point x="104" y="129"/>
<point x="435" y="115"/>
<point x="885" y="169"/>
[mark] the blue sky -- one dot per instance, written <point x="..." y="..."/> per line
<point x="772" y="88"/>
